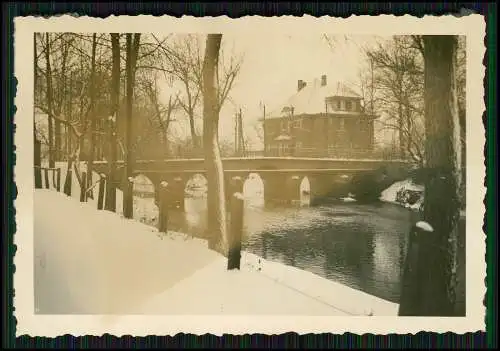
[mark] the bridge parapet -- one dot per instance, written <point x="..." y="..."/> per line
<point x="276" y="172"/>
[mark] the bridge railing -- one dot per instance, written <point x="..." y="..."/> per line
<point x="341" y="153"/>
<point x="354" y="153"/>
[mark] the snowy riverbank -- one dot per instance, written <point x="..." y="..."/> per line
<point x="405" y="193"/>
<point x="96" y="262"/>
<point x="408" y="194"/>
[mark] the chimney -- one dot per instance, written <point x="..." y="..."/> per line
<point x="323" y="80"/>
<point x="300" y="84"/>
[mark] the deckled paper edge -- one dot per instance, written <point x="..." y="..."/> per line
<point x="473" y="26"/>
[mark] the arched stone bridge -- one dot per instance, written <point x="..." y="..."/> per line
<point x="281" y="175"/>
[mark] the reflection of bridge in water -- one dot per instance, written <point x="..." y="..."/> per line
<point x="281" y="176"/>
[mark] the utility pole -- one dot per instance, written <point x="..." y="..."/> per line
<point x="241" y="139"/>
<point x="236" y="149"/>
<point x="264" y="128"/>
<point x="371" y="87"/>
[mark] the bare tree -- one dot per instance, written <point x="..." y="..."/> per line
<point x="161" y="115"/>
<point x="132" y="49"/>
<point x="184" y="62"/>
<point x="92" y="115"/>
<point x="443" y="158"/>
<point x="398" y="77"/>
<point x="110" y="203"/>
<point x="215" y="174"/>
<point x="48" y="79"/>
<point x="442" y="188"/>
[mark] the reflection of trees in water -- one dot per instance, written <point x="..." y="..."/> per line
<point x="360" y="246"/>
<point x="345" y="251"/>
<point x="349" y="254"/>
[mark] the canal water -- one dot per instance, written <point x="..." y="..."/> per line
<point x="360" y="245"/>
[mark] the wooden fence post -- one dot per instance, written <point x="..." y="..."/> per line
<point x="236" y="232"/>
<point x="58" y="181"/>
<point x="128" y="198"/>
<point x="38" y="177"/>
<point x="163" y="208"/>
<point x="236" y="226"/>
<point x="68" y="181"/>
<point x="415" y="280"/>
<point x="83" y="187"/>
<point x="38" y="164"/>
<point x="47" y="183"/>
<point x="100" y="196"/>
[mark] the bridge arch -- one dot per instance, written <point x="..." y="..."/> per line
<point x="144" y="190"/>
<point x="143" y="186"/>
<point x="253" y="190"/>
<point x="305" y="191"/>
<point x="195" y="192"/>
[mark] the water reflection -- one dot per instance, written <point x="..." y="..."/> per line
<point x="345" y="243"/>
<point x="362" y="246"/>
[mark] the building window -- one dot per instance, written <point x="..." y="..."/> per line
<point x="297" y="123"/>
<point x="298" y="145"/>
<point x="348" y="105"/>
<point x="341" y="124"/>
<point x="283" y="149"/>
<point x="284" y="125"/>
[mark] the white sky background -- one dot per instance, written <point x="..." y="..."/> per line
<point x="272" y="65"/>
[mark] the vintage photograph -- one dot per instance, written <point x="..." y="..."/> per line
<point x="259" y="174"/>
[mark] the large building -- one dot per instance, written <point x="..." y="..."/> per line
<point x="320" y="120"/>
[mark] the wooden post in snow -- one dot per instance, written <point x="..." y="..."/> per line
<point x="38" y="164"/>
<point x="236" y="229"/>
<point x="68" y="180"/>
<point x="163" y="208"/>
<point x="83" y="187"/>
<point x="417" y="275"/>
<point x="58" y="179"/>
<point x="100" y="197"/>
<point x="47" y="182"/>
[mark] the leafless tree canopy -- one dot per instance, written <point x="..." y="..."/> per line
<point x="167" y="89"/>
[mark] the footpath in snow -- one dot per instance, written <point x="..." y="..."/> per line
<point x="96" y="262"/>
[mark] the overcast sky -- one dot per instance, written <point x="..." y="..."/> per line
<point x="272" y="65"/>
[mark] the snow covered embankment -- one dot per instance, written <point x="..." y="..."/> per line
<point x="408" y="194"/>
<point x="95" y="262"/>
<point x="405" y="193"/>
<point x="145" y="210"/>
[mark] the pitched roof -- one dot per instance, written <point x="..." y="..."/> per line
<point x="311" y="99"/>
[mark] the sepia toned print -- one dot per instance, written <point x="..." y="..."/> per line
<point x="251" y="179"/>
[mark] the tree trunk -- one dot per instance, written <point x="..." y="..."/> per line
<point x="131" y="55"/>
<point x="401" y="126"/>
<point x="217" y="230"/>
<point x="110" y="203"/>
<point x="37" y="150"/>
<point x="48" y="77"/>
<point x="93" y="117"/>
<point x="192" y="129"/>
<point x="443" y="158"/>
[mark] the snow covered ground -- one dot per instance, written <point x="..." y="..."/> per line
<point x="145" y="210"/>
<point x="96" y="262"/>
